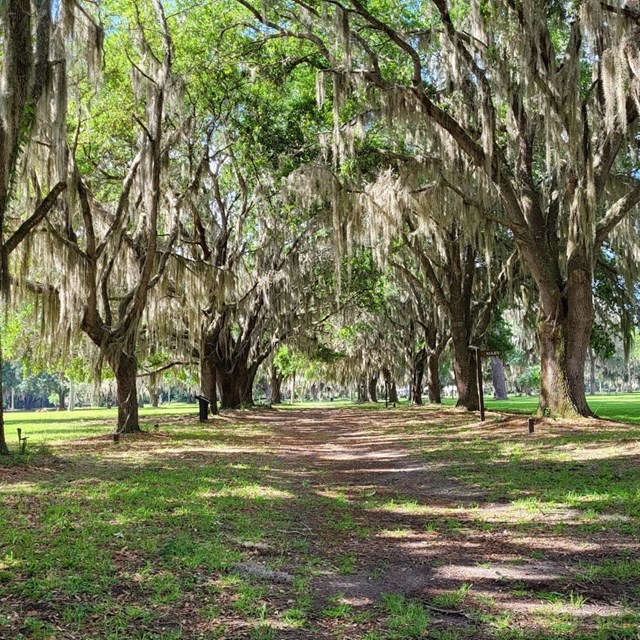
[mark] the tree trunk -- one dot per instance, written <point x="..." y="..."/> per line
<point x="154" y="393"/>
<point x="126" y="372"/>
<point x="276" y="386"/>
<point x="72" y="396"/>
<point x="233" y="381"/>
<point x="464" y="369"/>
<point x="362" y="390"/>
<point x="433" y="378"/>
<point x="61" y="397"/>
<point x="373" y="389"/>
<point x="247" y="396"/>
<point x="4" y="450"/>
<point x="592" y="372"/>
<point x="417" y="376"/>
<point x="208" y="380"/>
<point x="563" y="350"/>
<point x="392" y="391"/>
<point x="564" y="328"/>
<point x="499" y="381"/>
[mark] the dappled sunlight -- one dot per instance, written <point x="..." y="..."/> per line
<point x="252" y="491"/>
<point x="423" y="503"/>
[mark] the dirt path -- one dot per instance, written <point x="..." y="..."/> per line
<point x="307" y="524"/>
<point x="390" y="522"/>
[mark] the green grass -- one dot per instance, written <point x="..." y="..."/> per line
<point x="51" y="426"/>
<point x="138" y="540"/>
<point x="620" y="407"/>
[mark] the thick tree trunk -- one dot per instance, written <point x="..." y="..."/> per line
<point x="433" y="378"/>
<point x="208" y="381"/>
<point x="464" y="369"/>
<point x="373" y="389"/>
<point x="564" y="328"/>
<point x="233" y="381"/>
<point x="247" y="397"/>
<point x="126" y="372"/>
<point x="276" y="386"/>
<point x="562" y="362"/>
<point x="417" y="376"/>
<point x="498" y="378"/>
<point x="564" y="342"/>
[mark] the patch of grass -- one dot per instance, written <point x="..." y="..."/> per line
<point x="405" y="618"/>
<point x="347" y="564"/>
<point x="338" y="609"/>
<point x="452" y="599"/>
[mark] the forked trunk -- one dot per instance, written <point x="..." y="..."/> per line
<point x="464" y="369"/>
<point x="233" y="382"/>
<point x="499" y="381"/>
<point x="433" y="378"/>
<point x="126" y="371"/>
<point x="564" y="341"/>
<point x="562" y="362"/>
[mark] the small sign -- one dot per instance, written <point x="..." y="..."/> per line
<point x="489" y="353"/>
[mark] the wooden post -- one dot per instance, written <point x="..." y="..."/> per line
<point x="531" y="425"/>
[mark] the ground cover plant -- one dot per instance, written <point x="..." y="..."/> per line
<point x="323" y="523"/>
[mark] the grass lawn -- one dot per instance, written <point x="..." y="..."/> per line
<point x="620" y="407"/>
<point x="330" y="523"/>
<point x="50" y="426"/>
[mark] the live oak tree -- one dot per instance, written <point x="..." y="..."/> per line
<point x="27" y="107"/>
<point x="542" y="98"/>
<point x="101" y="255"/>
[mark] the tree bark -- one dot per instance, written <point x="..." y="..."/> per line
<point x="233" y="380"/>
<point x="392" y="390"/>
<point x="592" y="372"/>
<point x="464" y="368"/>
<point x="417" y="376"/>
<point x="4" y="450"/>
<point x="362" y="389"/>
<point x="498" y="378"/>
<point x="276" y="386"/>
<point x="125" y="368"/>
<point x="208" y="380"/>
<point x="373" y="389"/>
<point x="564" y="340"/>
<point x="61" y="396"/>
<point x="434" y="387"/>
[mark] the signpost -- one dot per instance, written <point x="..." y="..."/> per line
<point x="479" y="354"/>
